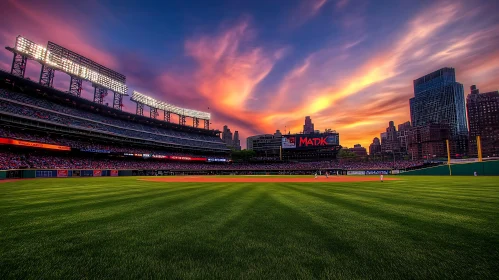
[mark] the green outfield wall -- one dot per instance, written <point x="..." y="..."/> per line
<point x="484" y="168"/>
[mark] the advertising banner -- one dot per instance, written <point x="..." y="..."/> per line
<point x="377" y="172"/>
<point x="15" y="142"/>
<point x="217" y="160"/>
<point x="114" y="173"/>
<point x="97" y="173"/>
<point x="45" y="173"/>
<point x="95" y="151"/>
<point x="62" y="173"/>
<point x="356" y="172"/>
<point x="310" y="141"/>
<point x="187" y="158"/>
<point x="288" y="141"/>
<point x="86" y="173"/>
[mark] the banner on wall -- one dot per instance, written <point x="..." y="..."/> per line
<point x="62" y="173"/>
<point x="114" y="173"/>
<point x="15" y="142"/>
<point x="97" y="173"/>
<point x="356" y="172"/>
<point x="377" y="172"/>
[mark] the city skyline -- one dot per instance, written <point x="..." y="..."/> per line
<point x="347" y="64"/>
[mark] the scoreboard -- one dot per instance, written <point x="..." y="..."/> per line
<point x="311" y="141"/>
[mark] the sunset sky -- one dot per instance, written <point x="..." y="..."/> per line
<point x="265" y="65"/>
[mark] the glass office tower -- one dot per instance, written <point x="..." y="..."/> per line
<point x="439" y="99"/>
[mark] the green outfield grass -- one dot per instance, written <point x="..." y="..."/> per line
<point x="121" y="228"/>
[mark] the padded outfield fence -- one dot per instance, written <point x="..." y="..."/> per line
<point x="484" y="168"/>
<point x="64" y="173"/>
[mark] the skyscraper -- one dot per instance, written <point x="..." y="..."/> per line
<point x="375" y="147"/>
<point x="403" y="133"/>
<point x="483" y="117"/>
<point x="308" y="128"/>
<point x="439" y="99"/>
<point x="227" y="136"/>
<point x="391" y="143"/>
<point x="236" y="143"/>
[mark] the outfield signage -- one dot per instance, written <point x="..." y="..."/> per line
<point x="182" y="158"/>
<point x="217" y="160"/>
<point x="310" y="141"/>
<point x="15" y="142"/>
<point x="356" y="172"/>
<point x="95" y="151"/>
<point x="377" y="172"/>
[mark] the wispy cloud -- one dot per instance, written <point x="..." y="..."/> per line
<point x="305" y="11"/>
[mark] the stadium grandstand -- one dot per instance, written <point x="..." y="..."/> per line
<point x="43" y="128"/>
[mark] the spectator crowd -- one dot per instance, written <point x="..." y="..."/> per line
<point x="37" y="108"/>
<point x="9" y="160"/>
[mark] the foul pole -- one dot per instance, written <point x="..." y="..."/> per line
<point x="448" y="157"/>
<point x="479" y="146"/>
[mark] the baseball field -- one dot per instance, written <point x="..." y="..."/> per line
<point x="271" y="228"/>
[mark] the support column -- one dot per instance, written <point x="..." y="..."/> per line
<point x="75" y="86"/>
<point x="140" y="109"/>
<point x="99" y="94"/>
<point x="167" y="116"/>
<point x="47" y="76"/>
<point x="153" y="112"/>
<point x="118" y="101"/>
<point x="19" y="65"/>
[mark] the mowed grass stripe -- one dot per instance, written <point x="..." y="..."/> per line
<point x="409" y="230"/>
<point x="414" y="228"/>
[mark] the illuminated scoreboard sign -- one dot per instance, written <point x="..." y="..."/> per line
<point x="60" y="58"/>
<point x="310" y="141"/>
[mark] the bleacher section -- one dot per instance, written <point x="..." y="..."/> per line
<point x="33" y="107"/>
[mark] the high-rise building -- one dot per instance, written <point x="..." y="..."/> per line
<point x="439" y="99"/>
<point x="236" y="143"/>
<point x="403" y="133"/>
<point x="308" y="128"/>
<point x="227" y="136"/>
<point x="383" y="137"/>
<point x="375" y="147"/>
<point x="390" y="142"/>
<point x="483" y="118"/>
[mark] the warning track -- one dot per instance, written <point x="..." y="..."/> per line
<point x="260" y="179"/>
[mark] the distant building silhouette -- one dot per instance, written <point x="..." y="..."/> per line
<point x="483" y="118"/>
<point x="403" y="133"/>
<point x="308" y="128"/>
<point x="230" y="140"/>
<point x="358" y="150"/>
<point x="375" y="147"/>
<point x="236" y="143"/>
